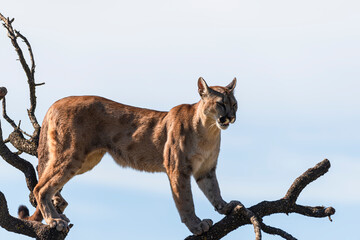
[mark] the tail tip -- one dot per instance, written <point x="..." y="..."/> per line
<point x="23" y="212"/>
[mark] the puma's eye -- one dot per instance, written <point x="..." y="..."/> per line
<point x="234" y="105"/>
<point x="221" y="105"/>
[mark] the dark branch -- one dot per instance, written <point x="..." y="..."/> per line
<point x="16" y="138"/>
<point x="240" y="209"/>
<point x="31" y="82"/>
<point x="9" y="120"/>
<point x="30" y="72"/>
<point x="266" y="208"/>
<point x="318" y="212"/>
<point x="307" y="177"/>
<point x="29" y="228"/>
<point x="5" y="116"/>
<point x="19" y="163"/>
<point x="23" y="145"/>
<point x="276" y="231"/>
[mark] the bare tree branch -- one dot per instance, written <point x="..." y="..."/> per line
<point x="276" y="231"/>
<point x="30" y="74"/>
<point x="5" y="116"/>
<point x="29" y="228"/>
<point x="16" y="138"/>
<point x="9" y="120"/>
<point x="307" y="177"/>
<point x="317" y="212"/>
<point x="18" y="162"/>
<point x="240" y="209"/>
<point x="266" y="208"/>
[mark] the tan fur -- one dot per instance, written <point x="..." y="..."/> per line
<point x="78" y="131"/>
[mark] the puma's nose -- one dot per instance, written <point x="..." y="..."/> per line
<point x="224" y="120"/>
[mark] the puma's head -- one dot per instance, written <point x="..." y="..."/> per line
<point x="219" y="103"/>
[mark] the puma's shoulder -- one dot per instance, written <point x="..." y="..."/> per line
<point x="181" y="114"/>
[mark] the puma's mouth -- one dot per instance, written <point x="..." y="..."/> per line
<point x="223" y="125"/>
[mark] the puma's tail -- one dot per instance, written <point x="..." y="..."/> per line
<point x="23" y="213"/>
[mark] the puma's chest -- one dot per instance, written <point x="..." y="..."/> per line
<point x="205" y="157"/>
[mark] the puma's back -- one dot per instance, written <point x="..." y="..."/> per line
<point x="91" y="126"/>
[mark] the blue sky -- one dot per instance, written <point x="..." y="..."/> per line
<point x="298" y="70"/>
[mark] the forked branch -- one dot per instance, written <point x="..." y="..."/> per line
<point x="285" y="205"/>
<point x="29" y="228"/>
<point x="17" y="139"/>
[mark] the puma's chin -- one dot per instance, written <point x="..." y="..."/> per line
<point x="222" y="126"/>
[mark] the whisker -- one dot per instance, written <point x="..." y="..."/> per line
<point x="212" y="126"/>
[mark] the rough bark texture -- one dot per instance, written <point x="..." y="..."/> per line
<point x="240" y="215"/>
<point x="29" y="228"/>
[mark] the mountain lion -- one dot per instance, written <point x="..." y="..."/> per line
<point x="184" y="142"/>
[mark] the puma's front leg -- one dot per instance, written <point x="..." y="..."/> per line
<point x="210" y="187"/>
<point x="181" y="190"/>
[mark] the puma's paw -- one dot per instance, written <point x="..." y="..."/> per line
<point x="228" y="207"/>
<point x="58" y="223"/>
<point x="201" y="227"/>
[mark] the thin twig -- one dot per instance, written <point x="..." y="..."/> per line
<point x="31" y="82"/>
<point x="276" y="231"/>
<point x="10" y="121"/>
<point x="32" y="59"/>
<point x="30" y="72"/>
<point x="318" y="212"/>
<point x="5" y="116"/>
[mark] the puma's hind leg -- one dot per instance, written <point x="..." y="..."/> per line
<point x="59" y="203"/>
<point x="46" y="191"/>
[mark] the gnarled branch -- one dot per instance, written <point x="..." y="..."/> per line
<point x="29" y="228"/>
<point x="24" y="145"/>
<point x="276" y="231"/>
<point x="19" y="163"/>
<point x="16" y="138"/>
<point x="266" y="208"/>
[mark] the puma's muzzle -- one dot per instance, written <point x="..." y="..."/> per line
<point x="224" y="122"/>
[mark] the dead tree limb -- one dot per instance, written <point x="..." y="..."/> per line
<point x="285" y="205"/>
<point x="16" y="138"/>
<point x="19" y="163"/>
<point x="29" y="228"/>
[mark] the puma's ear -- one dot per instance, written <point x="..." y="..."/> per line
<point x="203" y="87"/>
<point x="232" y="85"/>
